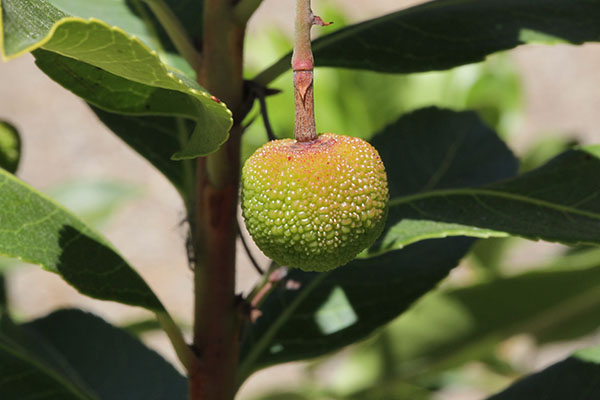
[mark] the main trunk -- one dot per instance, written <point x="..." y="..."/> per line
<point x="216" y="323"/>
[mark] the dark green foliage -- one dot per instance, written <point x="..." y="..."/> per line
<point x="556" y="202"/>
<point x="76" y="355"/>
<point x="333" y="309"/>
<point x="427" y="152"/>
<point x="576" y="378"/>
<point x="447" y="33"/>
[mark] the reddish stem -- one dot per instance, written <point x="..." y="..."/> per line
<point x="216" y="315"/>
<point x="303" y="65"/>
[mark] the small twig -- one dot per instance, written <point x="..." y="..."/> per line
<point x="249" y="253"/>
<point x="253" y="91"/>
<point x="274" y="279"/>
<point x="265" y="115"/>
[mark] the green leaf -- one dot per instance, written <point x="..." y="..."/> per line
<point x="25" y="358"/>
<point x="116" y="94"/>
<point x="444" y="34"/>
<point x="582" y="316"/>
<point x="24" y="378"/>
<point x="448" y="157"/>
<point x="95" y="202"/>
<point x="103" y="363"/>
<point x="10" y="147"/>
<point x="134" y="17"/>
<point x="112" y="69"/>
<point x="453" y="326"/>
<point x="544" y="149"/>
<point x="108" y="360"/>
<point x="34" y="229"/>
<point x="156" y="139"/>
<point x="129" y="15"/>
<point x="558" y="202"/>
<point x="431" y="150"/>
<point x="576" y="378"/>
<point x="333" y="309"/>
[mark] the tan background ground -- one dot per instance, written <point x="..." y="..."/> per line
<point x="62" y="141"/>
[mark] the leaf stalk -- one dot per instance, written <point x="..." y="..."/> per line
<point x="183" y="351"/>
<point x="176" y="32"/>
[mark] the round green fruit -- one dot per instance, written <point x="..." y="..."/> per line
<point x="314" y="205"/>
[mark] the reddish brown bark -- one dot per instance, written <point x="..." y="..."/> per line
<point x="216" y="329"/>
<point x="216" y="316"/>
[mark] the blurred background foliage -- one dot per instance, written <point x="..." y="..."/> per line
<point x="468" y="339"/>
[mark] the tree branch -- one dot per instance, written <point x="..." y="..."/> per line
<point x="217" y="319"/>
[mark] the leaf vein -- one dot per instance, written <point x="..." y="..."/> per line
<point x="494" y="193"/>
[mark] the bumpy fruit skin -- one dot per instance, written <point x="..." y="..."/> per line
<point x="314" y="205"/>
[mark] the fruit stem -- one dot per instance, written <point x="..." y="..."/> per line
<point x="303" y="65"/>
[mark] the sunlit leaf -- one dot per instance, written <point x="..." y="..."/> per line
<point x="112" y="69"/>
<point x="34" y="229"/>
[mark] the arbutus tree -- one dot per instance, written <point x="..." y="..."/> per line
<point x="167" y="77"/>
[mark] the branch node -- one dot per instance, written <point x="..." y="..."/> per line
<point x="318" y="21"/>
